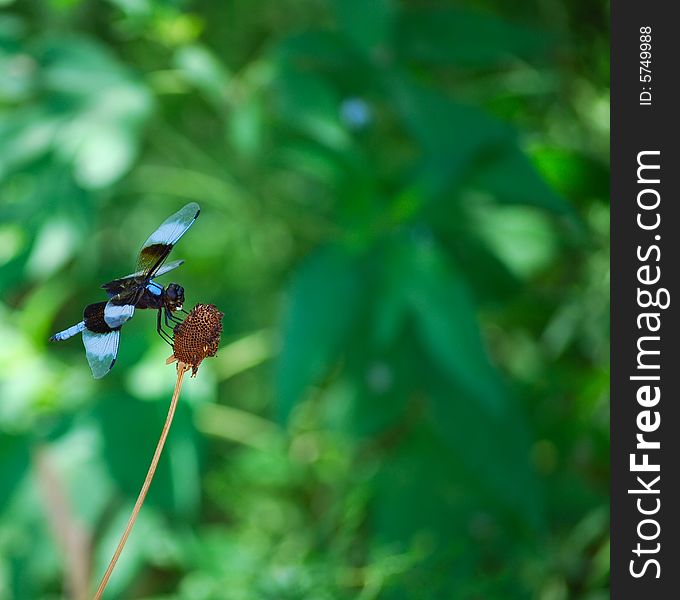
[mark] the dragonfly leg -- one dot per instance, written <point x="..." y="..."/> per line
<point x="159" y="328"/>
<point x="170" y="319"/>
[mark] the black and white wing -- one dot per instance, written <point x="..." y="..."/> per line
<point x="100" y="340"/>
<point x="101" y="350"/>
<point x="117" y="285"/>
<point x="157" y="247"/>
<point x="117" y="314"/>
<point x="166" y="268"/>
<point x="160" y="243"/>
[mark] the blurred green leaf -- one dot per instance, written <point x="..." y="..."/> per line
<point x="452" y="135"/>
<point x="458" y="36"/>
<point x="570" y="172"/>
<point x="378" y="395"/>
<point x="246" y="127"/>
<point x="511" y="177"/>
<point x="522" y="237"/>
<point x="331" y="55"/>
<point x="366" y="24"/>
<point x="310" y="105"/>
<point x="317" y="49"/>
<point x="14" y="460"/>
<point x="12" y="27"/>
<point x="25" y="135"/>
<point x="426" y="500"/>
<point x="492" y="444"/>
<point x="323" y="302"/>
<point x="446" y="321"/>
<point x="90" y="114"/>
<point x="489" y="278"/>
<point x="204" y="70"/>
<point x="129" y="444"/>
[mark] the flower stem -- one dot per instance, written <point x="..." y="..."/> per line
<point x="181" y="370"/>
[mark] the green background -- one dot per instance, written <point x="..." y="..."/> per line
<point x="405" y="221"/>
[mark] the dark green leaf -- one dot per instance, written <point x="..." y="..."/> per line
<point x="130" y="431"/>
<point x="367" y="24"/>
<point x="308" y="104"/>
<point x="571" y="173"/>
<point x="324" y="299"/>
<point x="14" y="462"/>
<point x="445" y="320"/>
<point x="492" y="444"/>
<point x="489" y="278"/>
<point x="511" y="177"/>
<point x="451" y="134"/>
<point x="455" y="36"/>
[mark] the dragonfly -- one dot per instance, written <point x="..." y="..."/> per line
<point x="102" y="321"/>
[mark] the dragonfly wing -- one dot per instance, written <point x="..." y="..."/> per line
<point x="117" y="314"/>
<point x="101" y="350"/>
<point x="159" y="244"/>
<point x="166" y="268"/>
<point x="123" y="287"/>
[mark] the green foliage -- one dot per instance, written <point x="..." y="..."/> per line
<point x="325" y="297"/>
<point x="405" y="222"/>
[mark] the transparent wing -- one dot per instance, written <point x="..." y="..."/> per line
<point x="117" y="314"/>
<point x="166" y="268"/>
<point x="160" y="243"/>
<point x="101" y="350"/>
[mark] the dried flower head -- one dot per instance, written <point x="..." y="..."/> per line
<point x="198" y="336"/>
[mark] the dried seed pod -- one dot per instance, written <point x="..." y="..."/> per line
<point x="198" y="336"/>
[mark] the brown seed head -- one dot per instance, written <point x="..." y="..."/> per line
<point x="198" y="336"/>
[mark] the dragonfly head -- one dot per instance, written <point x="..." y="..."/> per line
<point x="174" y="296"/>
